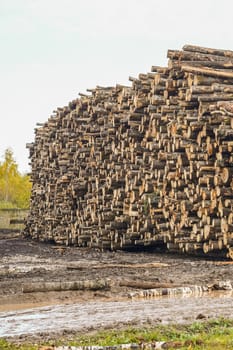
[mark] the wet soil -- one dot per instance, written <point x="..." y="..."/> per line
<point x="26" y="315"/>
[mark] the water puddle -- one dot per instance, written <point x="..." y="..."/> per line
<point x="20" y="306"/>
<point x="96" y="314"/>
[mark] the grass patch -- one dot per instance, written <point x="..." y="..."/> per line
<point x="210" y="335"/>
<point x="7" y="205"/>
<point x="5" y="345"/>
<point x="216" y="335"/>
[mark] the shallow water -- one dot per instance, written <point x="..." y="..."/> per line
<point x="92" y="315"/>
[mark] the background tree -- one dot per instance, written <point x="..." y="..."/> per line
<point x="15" y="188"/>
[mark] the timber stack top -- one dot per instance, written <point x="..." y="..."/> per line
<point x="143" y="165"/>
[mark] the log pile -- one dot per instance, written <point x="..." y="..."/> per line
<point x="141" y="165"/>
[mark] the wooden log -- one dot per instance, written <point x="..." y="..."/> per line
<point x="35" y="287"/>
<point x="208" y="71"/>
<point x="187" y="55"/>
<point x="138" y="284"/>
<point x="228" y="64"/>
<point x="222" y="88"/>
<point x="205" y="50"/>
<point x="227" y="175"/>
<point x="215" y="97"/>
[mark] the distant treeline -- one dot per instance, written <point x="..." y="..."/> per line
<point x="15" y="188"/>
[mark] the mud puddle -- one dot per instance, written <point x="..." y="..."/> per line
<point x="93" y="315"/>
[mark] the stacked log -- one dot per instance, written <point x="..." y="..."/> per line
<point x="143" y="165"/>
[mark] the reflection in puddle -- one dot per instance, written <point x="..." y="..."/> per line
<point x="185" y="292"/>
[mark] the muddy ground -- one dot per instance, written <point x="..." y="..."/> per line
<point x="23" y="261"/>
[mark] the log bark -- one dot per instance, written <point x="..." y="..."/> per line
<point x="206" y="50"/>
<point x="35" y="287"/>
<point x="145" y="285"/>
<point x="208" y="71"/>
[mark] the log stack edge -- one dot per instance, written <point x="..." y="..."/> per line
<point x="141" y="165"/>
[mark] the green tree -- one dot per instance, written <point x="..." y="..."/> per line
<point x="15" y="188"/>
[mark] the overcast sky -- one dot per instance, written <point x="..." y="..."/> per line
<point x="50" y="50"/>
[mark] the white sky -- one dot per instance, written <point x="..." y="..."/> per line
<point x="50" y="50"/>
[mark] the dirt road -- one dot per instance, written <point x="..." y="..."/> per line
<point x="23" y="261"/>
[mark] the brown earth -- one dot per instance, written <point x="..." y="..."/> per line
<point x="24" y="261"/>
